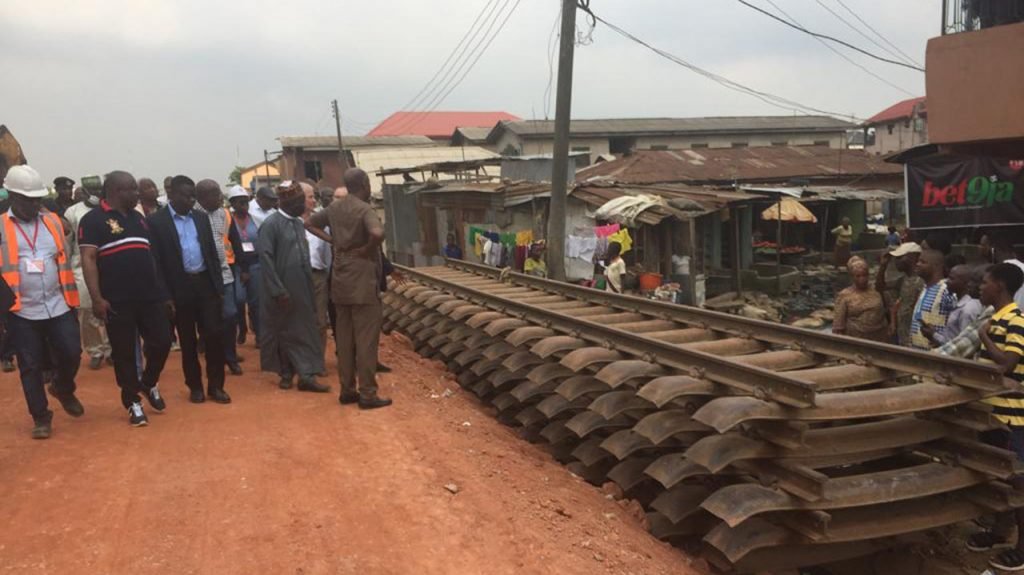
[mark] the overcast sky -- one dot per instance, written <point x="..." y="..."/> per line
<point x="162" y="87"/>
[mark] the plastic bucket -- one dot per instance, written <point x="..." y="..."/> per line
<point x="649" y="281"/>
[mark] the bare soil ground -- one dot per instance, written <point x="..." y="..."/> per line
<point x="284" y="482"/>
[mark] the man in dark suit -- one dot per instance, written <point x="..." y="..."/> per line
<point x="186" y="258"/>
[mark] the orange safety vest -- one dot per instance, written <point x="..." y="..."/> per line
<point x="229" y="250"/>
<point x="9" y="259"/>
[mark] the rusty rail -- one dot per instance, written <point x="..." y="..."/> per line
<point x="722" y="427"/>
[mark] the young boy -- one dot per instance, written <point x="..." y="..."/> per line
<point x="893" y="239"/>
<point x="1002" y="340"/>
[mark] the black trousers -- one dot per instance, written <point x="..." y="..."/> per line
<point x="199" y="310"/>
<point x="149" y="321"/>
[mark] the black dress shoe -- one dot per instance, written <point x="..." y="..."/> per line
<point x="7" y="365"/>
<point x="69" y="402"/>
<point x="374" y="403"/>
<point x="235" y="369"/>
<point x="381" y="368"/>
<point x="285" y="383"/>
<point x="348" y="398"/>
<point x="196" y="396"/>
<point x="311" y="384"/>
<point x="219" y="396"/>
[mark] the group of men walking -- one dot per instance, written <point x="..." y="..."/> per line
<point x="141" y="273"/>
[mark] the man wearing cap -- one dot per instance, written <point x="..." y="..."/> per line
<point x="289" y="335"/>
<point x="35" y="262"/>
<point x="356" y="236"/>
<point x="64" y="186"/>
<point x="94" y="333"/>
<point x="901" y="295"/>
<point x="185" y="252"/>
<point x="210" y="199"/>
<point x="264" y="204"/>
<point x="249" y="260"/>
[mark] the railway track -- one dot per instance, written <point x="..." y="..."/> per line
<point x="775" y="446"/>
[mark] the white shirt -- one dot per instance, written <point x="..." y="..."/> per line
<point x="1018" y="297"/>
<point x="39" y="289"/>
<point x="319" y="253"/>
<point x="258" y="214"/>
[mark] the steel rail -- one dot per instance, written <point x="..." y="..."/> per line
<point x="754" y="380"/>
<point x="943" y="368"/>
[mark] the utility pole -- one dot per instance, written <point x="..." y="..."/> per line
<point x="342" y="160"/>
<point x="560" y="170"/>
<point x="266" y="165"/>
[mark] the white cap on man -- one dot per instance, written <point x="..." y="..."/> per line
<point x="904" y="249"/>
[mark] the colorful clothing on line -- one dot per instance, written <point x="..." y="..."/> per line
<point x="622" y="236"/>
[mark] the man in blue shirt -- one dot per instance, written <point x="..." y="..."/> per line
<point x="186" y="256"/>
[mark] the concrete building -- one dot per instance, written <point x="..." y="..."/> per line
<point x="316" y="157"/>
<point x="973" y="82"/>
<point x="261" y="174"/>
<point x="594" y="138"/>
<point x="898" y="127"/>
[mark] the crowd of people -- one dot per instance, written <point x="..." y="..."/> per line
<point x="127" y="274"/>
<point x="939" y="303"/>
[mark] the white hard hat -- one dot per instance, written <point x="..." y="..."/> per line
<point x="237" y="191"/>
<point x="25" y="181"/>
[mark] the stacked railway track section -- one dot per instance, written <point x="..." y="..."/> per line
<point x="769" y="446"/>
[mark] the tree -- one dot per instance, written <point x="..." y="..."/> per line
<point x="236" y="175"/>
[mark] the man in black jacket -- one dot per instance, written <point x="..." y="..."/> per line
<point x="186" y="258"/>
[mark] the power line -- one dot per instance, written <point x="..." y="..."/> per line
<point x="479" y="53"/>
<point x="768" y="98"/>
<point x="771" y="99"/>
<point x="877" y="33"/>
<point x="462" y="57"/>
<point x="796" y="26"/>
<point x="860" y="32"/>
<point x="836" y="51"/>
<point x="489" y="6"/>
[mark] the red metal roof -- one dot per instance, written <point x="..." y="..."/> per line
<point x="436" y="124"/>
<point x="904" y="109"/>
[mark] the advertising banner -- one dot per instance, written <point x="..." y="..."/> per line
<point x="965" y="192"/>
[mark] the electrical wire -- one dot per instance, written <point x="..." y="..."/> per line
<point x="416" y="114"/>
<point x="877" y="33"/>
<point x="862" y="34"/>
<point x="473" y="30"/>
<point x="836" y="51"/>
<point x="766" y="97"/>
<point x="479" y="54"/>
<point x="796" y="26"/>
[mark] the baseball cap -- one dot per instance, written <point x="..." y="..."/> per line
<point x="904" y="249"/>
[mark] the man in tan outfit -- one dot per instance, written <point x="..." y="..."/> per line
<point x="356" y="237"/>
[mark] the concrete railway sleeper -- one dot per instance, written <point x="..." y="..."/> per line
<point x="769" y="444"/>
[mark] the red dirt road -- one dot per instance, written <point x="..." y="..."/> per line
<point x="283" y="482"/>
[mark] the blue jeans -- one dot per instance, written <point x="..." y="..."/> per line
<point x="249" y="292"/>
<point x="30" y="339"/>
<point x="230" y="315"/>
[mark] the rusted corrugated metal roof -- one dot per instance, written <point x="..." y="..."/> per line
<point x="690" y="201"/>
<point x="679" y="126"/>
<point x="728" y="165"/>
